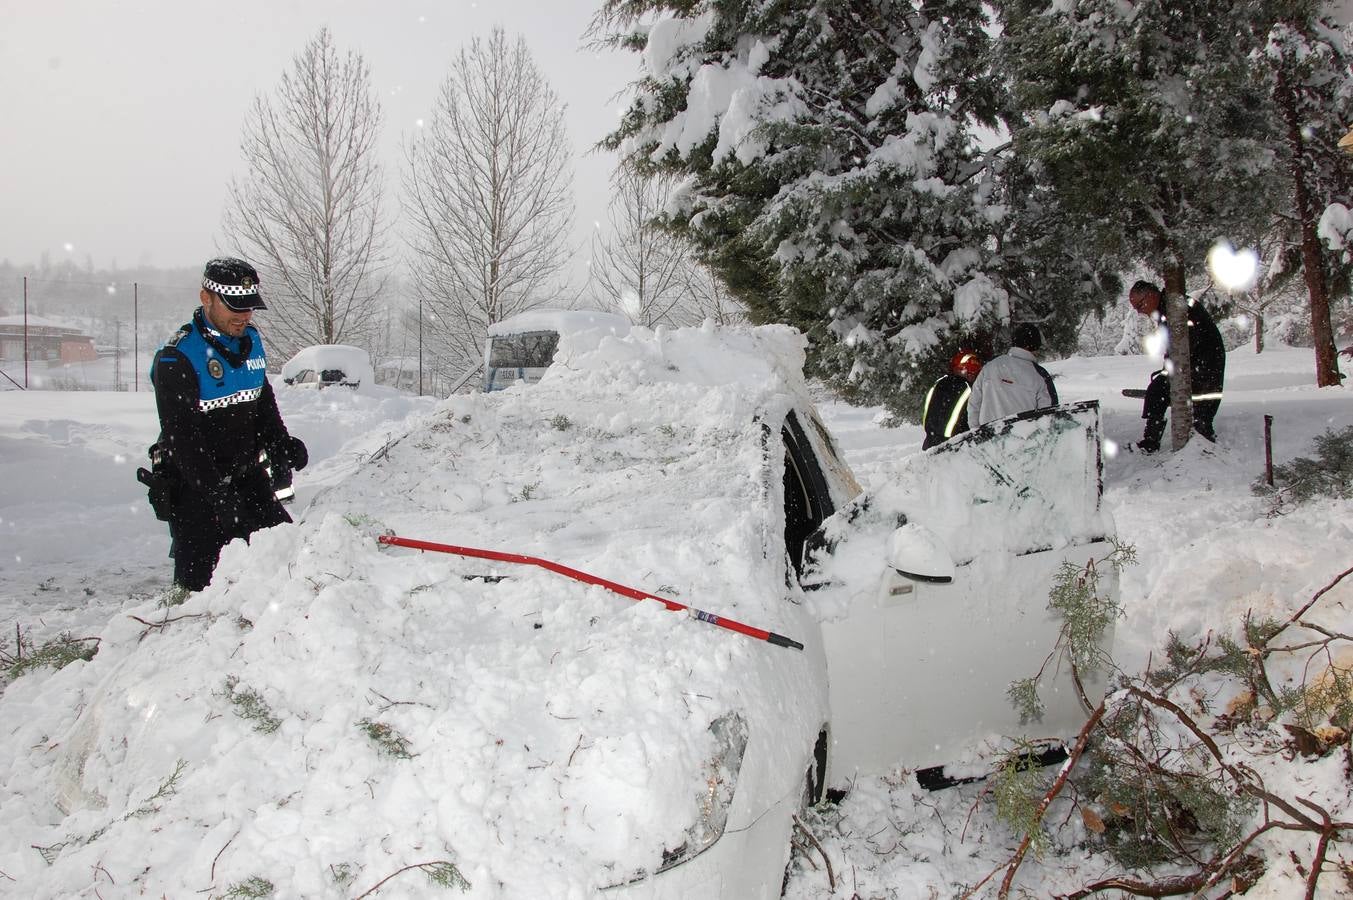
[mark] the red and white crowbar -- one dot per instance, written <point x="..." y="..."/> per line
<point x="750" y="631"/>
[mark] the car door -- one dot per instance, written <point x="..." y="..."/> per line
<point x="932" y="590"/>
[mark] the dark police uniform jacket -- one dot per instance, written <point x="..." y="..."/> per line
<point x="217" y="413"/>
<point x="946" y="410"/>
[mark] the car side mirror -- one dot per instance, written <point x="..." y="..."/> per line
<point x="917" y="553"/>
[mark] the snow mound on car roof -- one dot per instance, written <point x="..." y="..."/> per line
<point x="563" y="321"/>
<point x="746" y="361"/>
<point x="328" y="712"/>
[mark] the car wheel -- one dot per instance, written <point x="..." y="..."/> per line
<point x="815" y="780"/>
<point x="814" y="791"/>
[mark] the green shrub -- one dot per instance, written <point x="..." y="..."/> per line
<point x="386" y="739"/>
<point x="249" y="704"/>
<point x="252" y="887"/>
<point x="1330" y="474"/>
<point x="56" y="653"/>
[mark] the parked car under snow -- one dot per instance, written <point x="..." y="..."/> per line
<point x="325" y="365"/>
<point x="541" y="733"/>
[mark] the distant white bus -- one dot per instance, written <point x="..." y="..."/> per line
<point x="520" y="348"/>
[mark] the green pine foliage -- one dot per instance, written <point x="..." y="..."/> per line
<point x="1144" y="120"/>
<point x="1329" y="699"/>
<point x="446" y="874"/>
<point x="174" y="596"/>
<point x="856" y="203"/>
<point x="249" y="704"/>
<point x="1162" y="804"/>
<point x="1329" y="474"/>
<point x="168" y="788"/>
<point x="254" y="887"/>
<point x="387" y="739"/>
<point x="902" y="179"/>
<point x="343" y="874"/>
<point x="1087" y="610"/>
<point x="55" y="653"/>
<point x="1017" y="787"/>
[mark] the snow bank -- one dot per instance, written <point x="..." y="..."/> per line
<point x="556" y="733"/>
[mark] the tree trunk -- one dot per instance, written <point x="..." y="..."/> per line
<point x="1312" y="259"/>
<point x="1258" y="333"/>
<point x="1176" y="302"/>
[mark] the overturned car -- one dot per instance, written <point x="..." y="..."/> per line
<point x="658" y="617"/>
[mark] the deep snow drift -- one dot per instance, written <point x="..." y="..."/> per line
<point x="249" y="804"/>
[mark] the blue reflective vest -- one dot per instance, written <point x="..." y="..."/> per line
<point x="217" y="409"/>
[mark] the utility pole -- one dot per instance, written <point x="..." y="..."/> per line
<point x="420" y="345"/>
<point x="25" y="332"/>
<point x="136" y="343"/>
<point x="117" y="355"/>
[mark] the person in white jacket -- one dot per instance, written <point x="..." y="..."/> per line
<point x="1013" y="383"/>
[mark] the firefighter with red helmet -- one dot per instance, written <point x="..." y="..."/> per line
<point x="945" y="413"/>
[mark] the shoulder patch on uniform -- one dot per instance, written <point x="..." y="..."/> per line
<point x="179" y="335"/>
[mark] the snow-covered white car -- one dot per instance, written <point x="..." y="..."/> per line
<point x="324" y="365"/>
<point x="607" y="677"/>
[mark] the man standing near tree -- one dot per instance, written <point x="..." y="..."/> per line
<point x="220" y="429"/>
<point x="1207" y="359"/>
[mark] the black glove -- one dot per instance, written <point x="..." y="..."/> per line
<point x="297" y="453"/>
<point x="159" y="492"/>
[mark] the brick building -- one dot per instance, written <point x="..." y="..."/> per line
<point x="47" y="340"/>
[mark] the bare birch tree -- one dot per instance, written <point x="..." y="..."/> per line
<point x="647" y="272"/>
<point x="638" y="268"/>
<point x="488" y="194"/>
<point x="710" y="298"/>
<point x="307" y="214"/>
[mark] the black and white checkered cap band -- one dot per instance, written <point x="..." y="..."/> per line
<point x="244" y="396"/>
<point x="229" y="290"/>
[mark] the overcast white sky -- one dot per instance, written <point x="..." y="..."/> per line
<point x="122" y="119"/>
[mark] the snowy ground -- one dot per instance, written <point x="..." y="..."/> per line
<point x="79" y="547"/>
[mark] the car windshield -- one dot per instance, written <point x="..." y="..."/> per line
<point x="528" y="349"/>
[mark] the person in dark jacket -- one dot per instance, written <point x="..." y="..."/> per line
<point x="220" y="430"/>
<point x="1207" y="359"/>
<point x="945" y="412"/>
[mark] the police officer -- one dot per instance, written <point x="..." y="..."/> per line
<point x="1207" y="359"/>
<point x="220" y="429"/>
<point x="945" y="412"/>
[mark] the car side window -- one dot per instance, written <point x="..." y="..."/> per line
<point x="807" y="500"/>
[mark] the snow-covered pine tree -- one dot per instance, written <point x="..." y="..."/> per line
<point x="832" y="173"/>
<point x="1308" y="64"/>
<point x="1049" y="261"/>
<point x="1147" y="122"/>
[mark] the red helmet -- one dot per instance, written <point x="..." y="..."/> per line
<point x="965" y="363"/>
